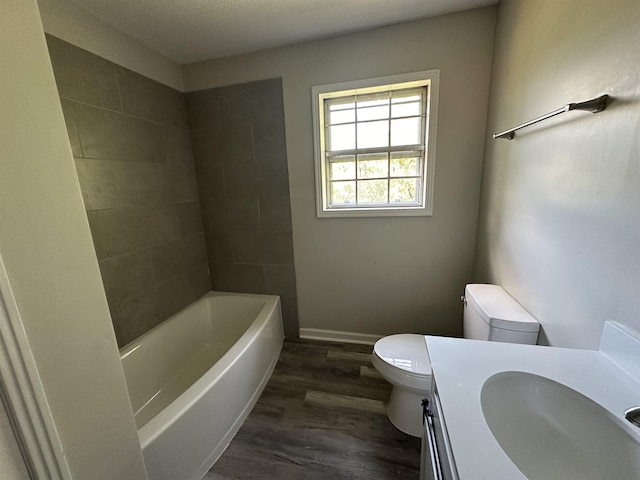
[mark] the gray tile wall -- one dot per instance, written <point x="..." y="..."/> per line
<point x="239" y="147"/>
<point x="130" y="139"/>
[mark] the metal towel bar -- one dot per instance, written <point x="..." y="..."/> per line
<point x="594" y="105"/>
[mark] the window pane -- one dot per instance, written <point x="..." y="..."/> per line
<point x="340" y="103"/>
<point x="408" y="95"/>
<point x="373" y="165"/>
<point x="404" y="190"/>
<point x="405" y="164"/>
<point x="372" y="191"/>
<point x="405" y="103"/>
<point x="342" y="193"/>
<point x="373" y="113"/>
<point x="341" y="137"/>
<point x="373" y="134"/>
<point x="405" y="109"/>
<point x="342" y="116"/>
<point x="406" y="131"/>
<point x="342" y="167"/>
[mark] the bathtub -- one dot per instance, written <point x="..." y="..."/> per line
<point x="194" y="379"/>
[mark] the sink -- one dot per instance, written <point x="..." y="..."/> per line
<point x="550" y="431"/>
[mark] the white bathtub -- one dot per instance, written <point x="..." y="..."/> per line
<point x="194" y="379"/>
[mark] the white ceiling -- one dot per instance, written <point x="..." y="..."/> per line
<point x="192" y="30"/>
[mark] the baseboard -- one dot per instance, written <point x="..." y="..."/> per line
<point x="338" y="336"/>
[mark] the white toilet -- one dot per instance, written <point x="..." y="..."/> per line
<point x="489" y="314"/>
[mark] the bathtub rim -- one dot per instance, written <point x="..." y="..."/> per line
<point x="128" y="348"/>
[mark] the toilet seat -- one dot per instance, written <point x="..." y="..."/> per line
<point x="403" y="359"/>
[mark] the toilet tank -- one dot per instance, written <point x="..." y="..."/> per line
<point x="490" y="313"/>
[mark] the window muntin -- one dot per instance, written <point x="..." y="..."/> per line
<point x="374" y="146"/>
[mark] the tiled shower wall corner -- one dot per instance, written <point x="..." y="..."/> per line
<point x="238" y="140"/>
<point x="130" y="139"/>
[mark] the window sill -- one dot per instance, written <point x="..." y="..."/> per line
<point x="375" y="212"/>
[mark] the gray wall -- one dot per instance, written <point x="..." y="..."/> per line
<point x="130" y="139"/>
<point x="51" y="268"/>
<point x="560" y="222"/>
<point x="241" y="162"/>
<point x="382" y="275"/>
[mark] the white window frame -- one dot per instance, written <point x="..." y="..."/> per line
<point x="430" y="78"/>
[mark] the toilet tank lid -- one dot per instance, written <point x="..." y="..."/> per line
<point x="499" y="309"/>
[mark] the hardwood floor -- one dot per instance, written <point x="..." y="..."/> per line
<point x="321" y="416"/>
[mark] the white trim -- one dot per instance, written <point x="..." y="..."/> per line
<point x="23" y="392"/>
<point x="426" y="77"/>
<point x="338" y="336"/>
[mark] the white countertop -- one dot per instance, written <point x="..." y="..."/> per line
<point x="460" y="368"/>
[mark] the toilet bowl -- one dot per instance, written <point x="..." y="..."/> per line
<point x="490" y="313"/>
<point x="402" y="360"/>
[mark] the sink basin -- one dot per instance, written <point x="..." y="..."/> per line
<point x="550" y="431"/>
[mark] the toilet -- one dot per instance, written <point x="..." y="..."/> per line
<point x="490" y="313"/>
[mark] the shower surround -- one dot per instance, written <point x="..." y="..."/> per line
<point x="241" y="162"/>
<point x="132" y="146"/>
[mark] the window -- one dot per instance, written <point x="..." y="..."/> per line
<point x="375" y="145"/>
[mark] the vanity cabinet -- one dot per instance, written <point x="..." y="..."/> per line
<point x="436" y="462"/>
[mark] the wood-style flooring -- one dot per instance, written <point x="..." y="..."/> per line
<point x="321" y="416"/>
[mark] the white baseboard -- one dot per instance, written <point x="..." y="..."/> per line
<point x="338" y="336"/>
